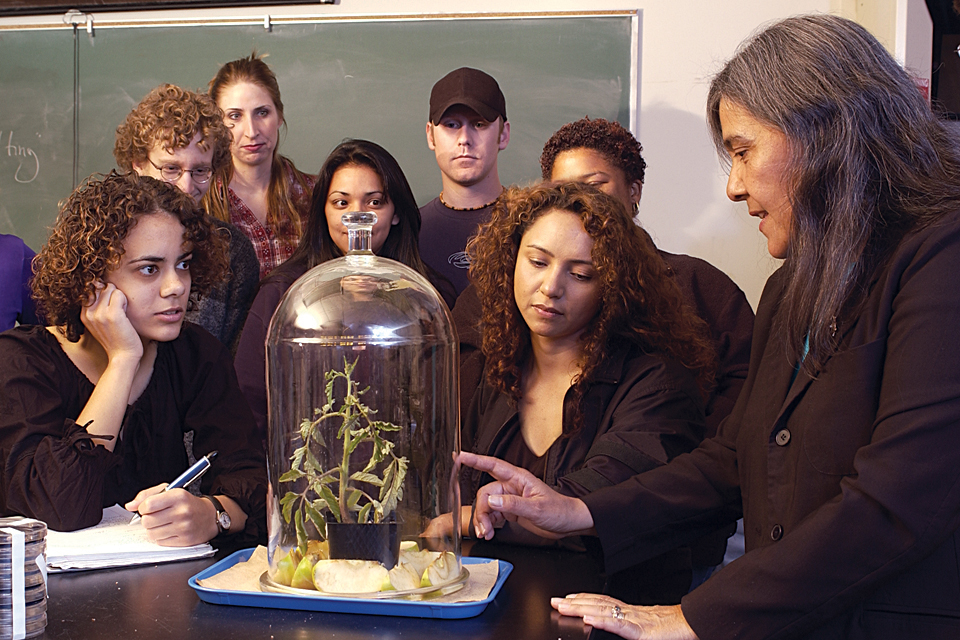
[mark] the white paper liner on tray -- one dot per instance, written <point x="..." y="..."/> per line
<point x="245" y="576"/>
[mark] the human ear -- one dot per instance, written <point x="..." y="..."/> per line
<point x="504" y="136"/>
<point x="431" y="144"/>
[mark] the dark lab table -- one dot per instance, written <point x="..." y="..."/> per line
<point x="155" y="601"/>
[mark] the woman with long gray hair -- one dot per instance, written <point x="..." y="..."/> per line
<point x="843" y="451"/>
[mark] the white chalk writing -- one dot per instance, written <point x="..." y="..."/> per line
<point x="27" y="160"/>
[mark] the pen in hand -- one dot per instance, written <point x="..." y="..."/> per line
<point x="186" y="478"/>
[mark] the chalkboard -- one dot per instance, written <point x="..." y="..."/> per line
<point x="347" y="78"/>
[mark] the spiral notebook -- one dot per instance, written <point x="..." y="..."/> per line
<point x="112" y="543"/>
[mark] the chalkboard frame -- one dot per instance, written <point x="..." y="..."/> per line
<point x="27" y="209"/>
<point x="46" y="7"/>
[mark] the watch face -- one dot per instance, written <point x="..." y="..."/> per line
<point x="224" y="520"/>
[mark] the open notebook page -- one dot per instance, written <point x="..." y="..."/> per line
<point x="112" y="543"/>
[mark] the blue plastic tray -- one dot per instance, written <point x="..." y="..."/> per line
<point x="333" y="604"/>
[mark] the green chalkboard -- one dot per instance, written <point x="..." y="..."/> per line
<point x="351" y="78"/>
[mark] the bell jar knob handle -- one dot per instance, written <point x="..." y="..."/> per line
<point x="359" y="226"/>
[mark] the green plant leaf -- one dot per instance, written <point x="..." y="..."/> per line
<point x="348" y="422"/>
<point x="387" y="479"/>
<point x="392" y="490"/>
<point x="291" y="475"/>
<point x="305" y="426"/>
<point x="386" y="448"/>
<point x="317" y="519"/>
<point x="361" y="476"/>
<point x="401" y="476"/>
<point x="377" y="511"/>
<point x="301" y="533"/>
<point x="286" y="502"/>
<point x="331" y="501"/>
<point x="297" y="458"/>
<point x="311" y="464"/>
<point x="352" y="443"/>
<point x="315" y="434"/>
<point x="364" y="514"/>
<point x="331" y="378"/>
<point x="353" y="498"/>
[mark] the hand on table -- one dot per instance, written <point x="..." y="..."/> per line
<point x="627" y="621"/>
<point x="518" y="496"/>
<point x="175" y="518"/>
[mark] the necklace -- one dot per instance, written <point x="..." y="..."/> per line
<point x="483" y="206"/>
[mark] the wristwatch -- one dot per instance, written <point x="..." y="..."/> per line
<point x="223" y="518"/>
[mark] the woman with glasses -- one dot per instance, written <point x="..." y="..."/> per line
<point x="178" y="136"/>
<point x="260" y="191"/>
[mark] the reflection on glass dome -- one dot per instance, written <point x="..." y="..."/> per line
<point x="363" y="430"/>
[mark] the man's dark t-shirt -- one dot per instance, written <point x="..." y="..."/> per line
<point x="444" y="233"/>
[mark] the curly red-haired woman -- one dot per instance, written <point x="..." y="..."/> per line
<point x="594" y="368"/>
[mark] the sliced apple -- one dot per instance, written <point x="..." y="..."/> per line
<point x="349" y="576"/>
<point x="403" y="578"/>
<point x="441" y="571"/>
<point x="286" y="567"/>
<point x="417" y="560"/>
<point x="303" y="576"/>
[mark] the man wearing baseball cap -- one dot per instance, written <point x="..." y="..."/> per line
<point x="467" y="129"/>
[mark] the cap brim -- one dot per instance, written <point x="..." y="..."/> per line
<point x="484" y="111"/>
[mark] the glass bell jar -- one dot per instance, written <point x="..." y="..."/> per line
<point x="362" y="394"/>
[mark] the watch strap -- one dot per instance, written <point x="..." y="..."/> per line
<point x="220" y="513"/>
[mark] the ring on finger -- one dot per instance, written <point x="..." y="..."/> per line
<point x="617" y="613"/>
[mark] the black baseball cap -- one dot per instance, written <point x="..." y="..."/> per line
<point x="472" y="88"/>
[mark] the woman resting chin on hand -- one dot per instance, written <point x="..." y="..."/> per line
<point x="95" y="406"/>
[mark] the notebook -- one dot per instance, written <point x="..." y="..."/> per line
<point x="112" y="543"/>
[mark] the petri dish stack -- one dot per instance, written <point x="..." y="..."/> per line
<point x="22" y="545"/>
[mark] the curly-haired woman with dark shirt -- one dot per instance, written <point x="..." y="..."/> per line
<point x="842" y="453"/>
<point x="93" y="408"/>
<point x="594" y="368"/>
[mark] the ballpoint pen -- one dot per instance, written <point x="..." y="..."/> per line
<point x="186" y="478"/>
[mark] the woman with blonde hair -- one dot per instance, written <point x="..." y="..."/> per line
<point x="261" y="191"/>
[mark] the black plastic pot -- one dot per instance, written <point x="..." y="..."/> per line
<point x="380" y="542"/>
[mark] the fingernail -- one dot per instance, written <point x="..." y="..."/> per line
<point x="555" y="601"/>
<point x="495" y="501"/>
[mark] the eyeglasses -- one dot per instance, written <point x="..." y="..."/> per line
<point x="172" y="172"/>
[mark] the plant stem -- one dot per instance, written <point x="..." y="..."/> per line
<point x="345" y="459"/>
